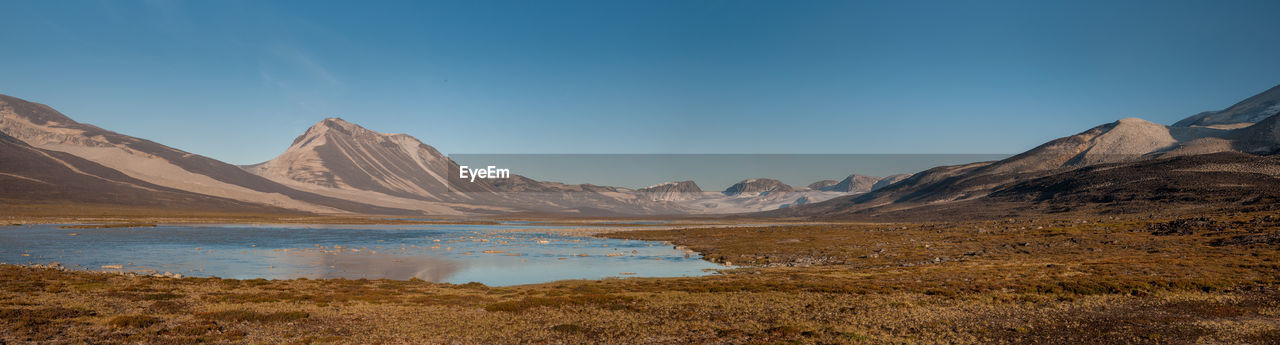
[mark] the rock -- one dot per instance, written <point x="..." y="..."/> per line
<point x="1186" y="226"/>
<point x="672" y="191"/>
<point x="758" y="186"/>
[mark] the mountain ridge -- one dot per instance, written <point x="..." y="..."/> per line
<point x="1250" y="110"/>
<point x="339" y="158"/>
<point x="673" y="191"/>
<point x="42" y="126"/>
<point x="1126" y="141"/>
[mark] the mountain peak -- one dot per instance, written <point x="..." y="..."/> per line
<point x="336" y="126"/>
<point x="1251" y="110"/>
<point x="1135" y="121"/>
<point x="335" y="123"/>
<point x="336" y="153"/>
<point x="758" y="186"/>
<point x="33" y="112"/>
<point x="822" y="184"/>
<point x="673" y="191"/>
<point x="853" y="184"/>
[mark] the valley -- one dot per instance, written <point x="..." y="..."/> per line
<point x="181" y="172"/>
<point x="1128" y="232"/>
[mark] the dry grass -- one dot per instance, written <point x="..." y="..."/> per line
<point x="1080" y="281"/>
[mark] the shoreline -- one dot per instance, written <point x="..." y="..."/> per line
<point x="589" y="231"/>
<point x="1124" y="281"/>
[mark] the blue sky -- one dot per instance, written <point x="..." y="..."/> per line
<point x="238" y="80"/>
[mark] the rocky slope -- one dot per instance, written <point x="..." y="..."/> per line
<point x="1261" y="138"/>
<point x="854" y="183"/>
<point x="1251" y="110"/>
<point x="32" y="175"/>
<point x="334" y="167"/>
<point x="1128" y="141"/>
<point x="338" y="154"/>
<point x="672" y="191"/>
<point x="758" y="187"/>
<point x="889" y="180"/>
<point x="1124" y="140"/>
<point x="45" y="128"/>
<point x="341" y="159"/>
<point x="1198" y="184"/>
<point x="820" y="185"/>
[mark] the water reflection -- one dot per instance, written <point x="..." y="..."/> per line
<point x="354" y="266"/>
<point x="490" y="254"/>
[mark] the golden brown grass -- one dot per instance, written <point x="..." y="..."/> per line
<point x="1079" y="281"/>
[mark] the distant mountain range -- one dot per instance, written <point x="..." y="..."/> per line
<point x="147" y="163"/>
<point x="338" y="167"/>
<point x="343" y="160"/>
<point x="1199" y="153"/>
<point x="334" y="167"/>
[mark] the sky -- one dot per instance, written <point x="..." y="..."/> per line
<point x="239" y="80"/>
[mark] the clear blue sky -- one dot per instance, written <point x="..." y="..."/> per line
<point x="238" y="80"/>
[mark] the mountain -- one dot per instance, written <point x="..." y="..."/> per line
<point x="1124" y="140"/>
<point x="751" y="195"/>
<point x="339" y="167"/>
<point x="334" y="167"/>
<point x="1260" y="138"/>
<point x="1215" y="182"/>
<point x="758" y="187"/>
<point x="1127" y="143"/>
<point x="1249" y="111"/>
<point x="820" y="185"/>
<point x="1197" y="180"/>
<point x="43" y="127"/>
<point x="803" y="200"/>
<point x="857" y="183"/>
<point x="888" y="180"/>
<point x="672" y="191"/>
<point x="338" y="154"/>
<point x="29" y="175"/>
<point x="853" y="184"/>
<point x="341" y="159"/>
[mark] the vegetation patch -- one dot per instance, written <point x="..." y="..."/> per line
<point x="252" y="316"/>
<point x="611" y="302"/>
<point x="24" y="318"/>
<point x="133" y="321"/>
<point x="168" y="307"/>
<point x="1244" y="240"/>
<point x="569" y="328"/>
<point x="1186" y="226"/>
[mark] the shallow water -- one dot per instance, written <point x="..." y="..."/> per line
<point x="438" y="253"/>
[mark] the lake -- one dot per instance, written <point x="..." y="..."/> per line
<point x="496" y="255"/>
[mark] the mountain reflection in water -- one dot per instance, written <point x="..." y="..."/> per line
<point x="496" y="255"/>
<point x="356" y="266"/>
